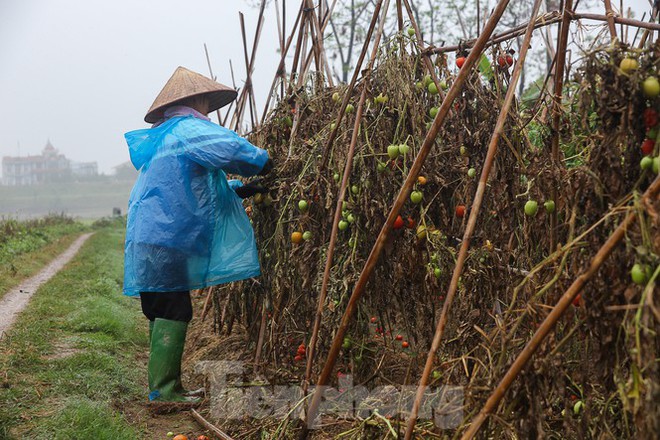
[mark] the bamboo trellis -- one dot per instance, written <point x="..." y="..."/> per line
<point x="309" y="28"/>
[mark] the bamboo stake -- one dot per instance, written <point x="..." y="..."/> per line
<point x="340" y="199"/>
<point x="547" y="19"/>
<point x="472" y="221"/>
<point x="319" y="31"/>
<point x="301" y="33"/>
<point x="610" y="19"/>
<point x="206" y="424"/>
<point x="425" y="149"/>
<point x="645" y="34"/>
<point x="208" y="61"/>
<point x="399" y="15"/>
<point x="233" y="82"/>
<point x="420" y="44"/>
<point x="349" y="89"/>
<point x="281" y="68"/>
<point x="248" y="83"/>
<point x="560" y="65"/>
<point x="562" y="305"/>
<point x="620" y="20"/>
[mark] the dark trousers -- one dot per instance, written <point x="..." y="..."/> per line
<point x="175" y="306"/>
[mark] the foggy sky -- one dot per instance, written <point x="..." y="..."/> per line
<point x="82" y="73"/>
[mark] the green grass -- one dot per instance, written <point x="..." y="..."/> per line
<point x="26" y="247"/>
<point x="70" y="360"/>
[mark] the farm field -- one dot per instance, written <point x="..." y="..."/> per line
<point x="87" y="200"/>
<point x="458" y="234"/>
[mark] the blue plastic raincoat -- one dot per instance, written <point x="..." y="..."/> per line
<point x="187" y="228"/>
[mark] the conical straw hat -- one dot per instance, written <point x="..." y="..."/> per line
<point x="185" y="83"/>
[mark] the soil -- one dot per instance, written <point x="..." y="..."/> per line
<point x="17" y="299"/>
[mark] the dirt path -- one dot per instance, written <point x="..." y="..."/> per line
<point x="16" y="299"/>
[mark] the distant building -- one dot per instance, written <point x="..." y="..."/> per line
<point x="49" y="166"/>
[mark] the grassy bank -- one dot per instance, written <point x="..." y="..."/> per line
<point x="27" y="246"/>
<point x="71" y="361"/>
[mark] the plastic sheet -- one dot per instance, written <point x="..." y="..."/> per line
<point x="187" y="228"/>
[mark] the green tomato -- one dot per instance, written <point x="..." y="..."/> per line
<point x="416" y="197"/>
<point x="646" y="163"/>
<point x="307" y="235"/>
<point x="577" y="407"/>
<point x="656" y="164"/>
<point x="336" y="97"/>
<point x="355" y="190"/>
<point x="437" y="272"/>
<point x="419" y="85"/>
<point x="350" y="218"/>
<point x="627" y="65"/>
<point x="444" y="85"/>
<point x="651" y="87"/>
<point x="333" y="126"/>
<point x="637" y="274"/>
<point x="404" y="149"/>
<point x="350" y="108"/>
<point x="427" y="80"/>
<point x="549" y="206"/>
<point x="381" y="167"/>
<point x="433" y="89"/>
<point x="436" y="374"/>
<point x="472" y="172"/>
<point x="411" y="32"/>
<point x="346" y="344"/>
<point x="393" y="151"/>
<point x="433" y="112"/>
<point x="463" y="150"/>
<point x="343" y="225"/>
<point x="336" y="177"/>
<point x="531" y="208"/>
<point x="303" y="205"/>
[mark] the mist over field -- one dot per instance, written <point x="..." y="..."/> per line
<point x="84" y="200"/>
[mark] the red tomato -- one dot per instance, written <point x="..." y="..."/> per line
<point x="509" y="60"/>
<point x="405" y="344"/>
<point x="460" y="211"/>
<point x="647" y="146"/>
<point x="460" y="61"/>
<point x="650" y="117"/>
<point x="374" y="320"/>
<point x="410" y="223"/>
<point x="501" y="61"/>
<point x="398" y="223"/>
<point x="576" y="300"/>
<point x="399" y="338"/>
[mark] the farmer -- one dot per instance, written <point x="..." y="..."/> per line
<point x="187" y="228"/>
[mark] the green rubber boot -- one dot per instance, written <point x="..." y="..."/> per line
<point x="151" y="330"/>
<point x="167" y="340"/>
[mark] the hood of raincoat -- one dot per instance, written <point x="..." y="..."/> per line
<point x="186" y="227"/>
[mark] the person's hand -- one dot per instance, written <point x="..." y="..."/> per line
<point x="267" y="167"/>
<point x="250" y="189"/>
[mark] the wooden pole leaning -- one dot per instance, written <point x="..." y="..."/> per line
<point x="472" y="221"/>
<point x="370" y="264"/>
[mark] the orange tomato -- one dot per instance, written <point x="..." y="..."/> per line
<point x="421" y="180"/>
<point x="297" y="237"/>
